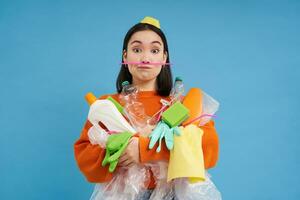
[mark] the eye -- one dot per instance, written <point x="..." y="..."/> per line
<point x="155" y="51"/>
<point x="137" y="50"/>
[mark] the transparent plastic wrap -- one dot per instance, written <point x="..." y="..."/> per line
<point x="163" y="190"/>
<point x="127" y="184"/>
<point x="209" y="108"/>
<point x="205" y="190"/>
<point x="131" y="184"/>
<point x="181" y="188"/>
<point x="97" y="135"/>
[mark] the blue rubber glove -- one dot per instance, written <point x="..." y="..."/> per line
<point x="162" y="130"/>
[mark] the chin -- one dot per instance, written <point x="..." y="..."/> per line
<point x="146" y="78"/>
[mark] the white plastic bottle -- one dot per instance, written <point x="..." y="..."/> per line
<point x="133" y="109"/>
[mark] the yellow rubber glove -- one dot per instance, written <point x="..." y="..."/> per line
<point x="186" y="158"/>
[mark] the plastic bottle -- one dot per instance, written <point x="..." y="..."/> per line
<point x="176" y="94"/>
<point x="133" y="109"/>
<point x="177" y="90"/>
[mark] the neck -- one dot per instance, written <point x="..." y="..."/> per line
<point x="145" y="85"/>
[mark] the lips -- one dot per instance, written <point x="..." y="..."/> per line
<point x="144" y="66"/>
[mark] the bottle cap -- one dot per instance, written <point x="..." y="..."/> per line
<point x="178" y="78"/>
<point x="125" y="83"/>
<point x="90" y="98"/>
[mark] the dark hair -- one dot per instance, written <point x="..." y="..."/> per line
<point x="164" y="79"/>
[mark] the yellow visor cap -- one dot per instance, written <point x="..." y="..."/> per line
<point x="152" y="21"/>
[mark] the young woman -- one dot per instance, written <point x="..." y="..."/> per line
<point x="144" y="44"/>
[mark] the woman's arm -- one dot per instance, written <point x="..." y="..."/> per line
<point x="89" y="158"/>
<point x="149" y="155"/>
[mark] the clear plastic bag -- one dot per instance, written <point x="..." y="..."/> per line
<point x="205" y="190"/>
<point x="163" y="190"/>
<point x="209" y="108"/>
<point x="97" y="135"/>
<point x="127" y="184"/>
<point x="131" y="184"/>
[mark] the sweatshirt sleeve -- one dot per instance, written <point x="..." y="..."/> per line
<point x="89" y="157"/>
<point x="150" y="155"/>
<point x="210" y="145"/>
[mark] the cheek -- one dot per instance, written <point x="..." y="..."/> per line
<point x="158" y="69"/>
<point x="161" y="56"/>
<point x="131" y="69"/>
<point x="131" y="56"/>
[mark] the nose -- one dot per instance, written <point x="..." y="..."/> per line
<point x="145" y="59"/>
<point x="145" y="62"/>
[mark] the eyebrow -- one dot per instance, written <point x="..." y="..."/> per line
<point x="137" y="41"/>
<point x="156" y="42"/>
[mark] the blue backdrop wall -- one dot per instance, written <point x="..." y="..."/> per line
<point x="243" y="53"/>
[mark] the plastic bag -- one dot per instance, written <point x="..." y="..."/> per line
<point x="163" y="190"/>
<point x="127" y="184"/>
<point x="205" y="190"/>
<point x="131" y="184"/>
<point x="97" y="135"/>
<point x="209" y="107"/>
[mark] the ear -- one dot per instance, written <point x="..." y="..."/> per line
<point x="124" y="55"/>
<point x="165" y="56"/>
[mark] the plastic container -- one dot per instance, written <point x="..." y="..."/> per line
<point x="134" y="110"/>
<point x="177" y="90"/>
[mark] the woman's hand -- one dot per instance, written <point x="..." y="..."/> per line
<point x="131" y="155"/>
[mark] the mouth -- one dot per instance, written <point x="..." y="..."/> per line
<point x="144" y="66"/>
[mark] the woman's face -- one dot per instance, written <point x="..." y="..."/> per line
<point x="145" y="47"/>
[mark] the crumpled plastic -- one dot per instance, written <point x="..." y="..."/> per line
<point x="205" y="190"/>
<point x="209" y="107"/>
<point x="131" y="184"/>
<point x="98" y="135"/>
<point x="127" y="184"/>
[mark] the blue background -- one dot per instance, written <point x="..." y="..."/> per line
<point x="246" y="54"/>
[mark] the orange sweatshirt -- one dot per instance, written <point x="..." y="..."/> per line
<point x="89" y="157"/>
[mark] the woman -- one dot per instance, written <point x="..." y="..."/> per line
<point x="144" y="44"/>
